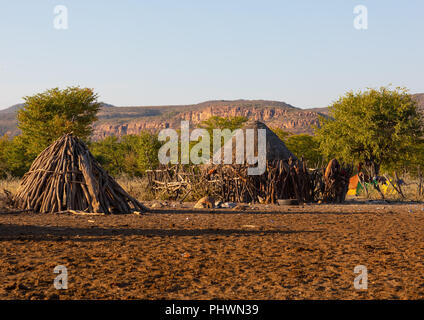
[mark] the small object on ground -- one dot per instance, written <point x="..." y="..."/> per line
<point x="242" y="207"/>
<point x="218" y="204"/>
<point x="261" y="200"/>
<point x="186" y="255"/>
<point x="249" y="226"/>
<point x="92" y="221"/>
<point x="205" y="202"/>
<point x="82" y="213"/>
<point x="157" y="205"/>
<point x="229" y="205"/>
<point x="287" y="202"/>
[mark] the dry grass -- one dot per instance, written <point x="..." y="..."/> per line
<point x="6" y="186"/>
<point x="409" y="190"/>
<point x="138" y="188"/>
<point x="10" y="184"/>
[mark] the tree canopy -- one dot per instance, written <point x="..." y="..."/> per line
<point x="306" y="146"/>
<point x="131" y="155"/>
<point x="48" y="115"/>
<point x="302" y="145"/>
<point x="216" y="122"/>
<point x="378" y="127"/>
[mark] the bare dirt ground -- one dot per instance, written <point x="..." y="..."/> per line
<point x="270" y="252"/>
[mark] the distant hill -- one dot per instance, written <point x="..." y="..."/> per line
<point x="8" y="121"/>
<point x="119" y="121"/>
<point x="419" y="97"/>
<point x="131" y="120"/>
<point x="19" y="106"/>
<point x="12" y="109"/>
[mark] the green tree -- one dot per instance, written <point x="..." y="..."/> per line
<point x="131" y="155"/>
<point x="13" y="160"/>
<point x="4" y="144"/>
<point x="414" y="165"/>
<point x="281" y="133"/>
<point x="302" y="145"/>
<point x="141" y="152"/>
<point x="48" y="115"/>
<point x="306" y="146"/>
<point x="377" y="127"/>
<point x="216" y="122"/>
<point x="109" y="153"/>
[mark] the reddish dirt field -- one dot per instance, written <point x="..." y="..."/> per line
<point x="270" y="252"/>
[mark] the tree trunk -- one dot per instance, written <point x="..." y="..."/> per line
<point x="373" y="168"/>
<point x="374" y="171"/>
<point x="398" y="185"/>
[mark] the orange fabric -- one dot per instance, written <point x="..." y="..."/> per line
<point x="353" y="182"/>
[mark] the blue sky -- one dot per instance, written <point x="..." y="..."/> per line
<point x="304" y="52"/>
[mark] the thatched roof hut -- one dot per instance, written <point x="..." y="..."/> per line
<point x="279" y="176"/>
<point x="65" y="176"/>
<point x="275" y="147"/>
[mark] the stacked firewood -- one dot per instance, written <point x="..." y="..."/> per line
<point x="65" y="176"/>
<point x="177" y="182"/>
<point x="336" y="182"/>
<point x="281" y="180"/>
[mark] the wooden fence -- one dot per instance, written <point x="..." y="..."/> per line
<point x="281" y="180"/>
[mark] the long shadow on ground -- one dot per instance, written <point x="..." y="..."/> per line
<point x="11" y="232"/>
<point x="253" y="212"/>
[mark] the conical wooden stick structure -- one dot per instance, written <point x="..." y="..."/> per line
<point x="65" y="176"/>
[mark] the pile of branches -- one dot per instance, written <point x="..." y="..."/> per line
<point x="336" y="182"/>
<point x="177" y="182"/>
<point x="281" y="180"/>
<point x="65" y="176"/>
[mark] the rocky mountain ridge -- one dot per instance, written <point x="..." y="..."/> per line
<point x="133" y="120"/>
<point x="118" y="121"/>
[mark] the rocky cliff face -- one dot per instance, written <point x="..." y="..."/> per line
<point x="274" y="114"/>
<point x="118" y="121"/>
